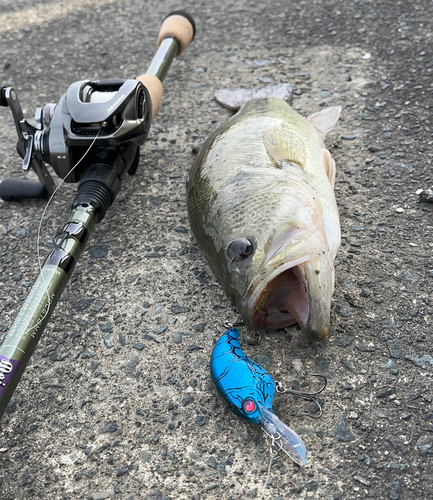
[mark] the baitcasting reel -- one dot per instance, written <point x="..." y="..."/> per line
<point x="94" y="133"/>
<point x="112" y="116"/>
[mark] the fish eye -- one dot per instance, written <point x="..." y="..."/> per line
<point x="240" y="249"/>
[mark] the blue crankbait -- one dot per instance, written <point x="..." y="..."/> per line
<point x="250" y="392"/>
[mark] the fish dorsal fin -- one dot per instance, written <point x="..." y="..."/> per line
<point x="329" y="166"/>
<point x="325" y="119"/>
<point x="284" y="146"/>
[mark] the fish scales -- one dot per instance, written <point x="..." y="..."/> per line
<point x="266" y="177"/>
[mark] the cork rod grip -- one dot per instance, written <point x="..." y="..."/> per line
<point x="178" y="28"/>
<point x="179" y="25"/>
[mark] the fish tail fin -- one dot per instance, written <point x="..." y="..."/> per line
<point x="284" y="438"/>
<point x="235" y="98"/>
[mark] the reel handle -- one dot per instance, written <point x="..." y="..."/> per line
<point x="13" y="189"/>
<point x="176" y="33"/>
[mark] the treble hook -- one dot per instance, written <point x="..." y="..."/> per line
<point x="254" y="340"/>
<point x="229" y="324"/>
<point x="276" y="446"/>
<point x="308" y="396"/>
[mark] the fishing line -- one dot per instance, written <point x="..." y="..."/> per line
<point x="267" y="476"/>
<point x="40" y="229"/>
<point x="273" y="451"/>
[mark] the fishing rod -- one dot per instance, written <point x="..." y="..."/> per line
<point x="92" y="137"/>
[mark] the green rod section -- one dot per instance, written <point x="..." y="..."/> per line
<point x="163" y="58"/>
<point x="25" y="332"/>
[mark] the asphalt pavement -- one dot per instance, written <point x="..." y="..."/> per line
<point x="117" y="401"/>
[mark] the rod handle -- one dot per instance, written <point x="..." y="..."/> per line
<point x="12" y="189"/>
<point x="179" y="25"/>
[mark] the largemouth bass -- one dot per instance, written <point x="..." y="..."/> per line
<point x="262" y="208"/>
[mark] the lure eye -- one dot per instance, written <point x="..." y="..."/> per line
<point x="249" y="406"/>
<point x="239" y="249"/>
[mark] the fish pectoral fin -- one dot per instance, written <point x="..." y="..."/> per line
<point x="284" y="146"/>
<point x="329" y="166"/>
<point x="325" y="119"/>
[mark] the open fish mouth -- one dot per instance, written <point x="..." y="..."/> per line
<point x="296" y="292"/>
<point x="280" y="299"/>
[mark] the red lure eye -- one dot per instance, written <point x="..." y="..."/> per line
<point x="249" y="406"/>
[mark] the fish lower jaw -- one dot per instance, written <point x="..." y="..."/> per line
<point x="316" y="335"/>
<point x="275" y="320"/>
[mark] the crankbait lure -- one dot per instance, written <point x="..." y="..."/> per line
<point x="250" y="392"/>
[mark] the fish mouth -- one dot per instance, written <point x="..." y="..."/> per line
<point x="280" y="300"/>
<point x="295" y="292"/>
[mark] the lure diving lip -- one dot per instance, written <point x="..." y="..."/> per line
<point x="250" y="392"/>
